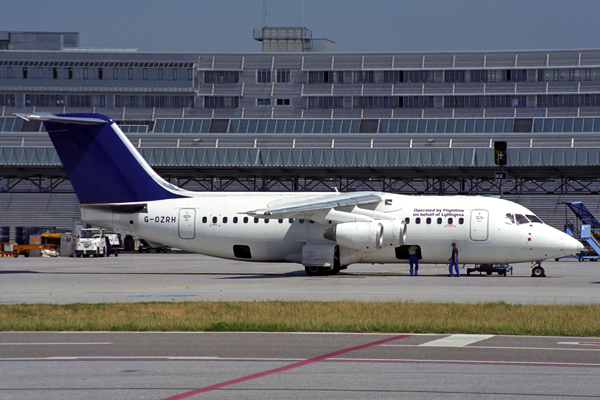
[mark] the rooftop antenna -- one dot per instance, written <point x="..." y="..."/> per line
<point x="265" y="13"/>
<point x="302" y="26"/>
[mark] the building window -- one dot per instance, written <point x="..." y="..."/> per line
<point x="283" y="76"/>
<point x="40" y="72"/>
<point x="376" y="102"/>
<point x="160" y="74"/>
<point x="263" y="102"/>
<point x="45" y="100"/>
<point x="130" y="74"/>
<point x="190" y="74"/>
<point x="221" y="102"/>
<point x="221" y="76"/>
<point x="263" y="76"/>
<point x="145" y="74"/>
<point x="325" y="102"/>
<point x="9" y="72"/>
<point x="100" y="74"/>
<point x="70" y="73"/>
<point x="85" y="73"/>
<point x="7" y="100"/>
<point x="174" y="74"/>
<point x="24" y="72"/>
<point x="283" y="102"/>
<point x="116" y="74"/>
<point x="454" y="76"/>
<point x="325" y="77"/>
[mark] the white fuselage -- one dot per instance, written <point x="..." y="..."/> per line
<point x="213" y="223"/>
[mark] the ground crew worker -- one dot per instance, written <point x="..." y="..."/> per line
<point x="413" y="260"/>
<point x="454" y="260"/>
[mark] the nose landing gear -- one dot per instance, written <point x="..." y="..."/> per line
<point x="537" y="271"/>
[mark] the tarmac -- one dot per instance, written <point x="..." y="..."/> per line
<point x="174" y="276"/>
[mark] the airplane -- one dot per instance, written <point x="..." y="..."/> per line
<point x="325" y="232"/>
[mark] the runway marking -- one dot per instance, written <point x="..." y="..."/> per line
<point x="282" y="369"/>
<point x="58" y="343"/>
<point x="502" y="347"/>
<point x="581" y="343"/>
<point x="304" y="362"/>
<point x="456" y="340"/>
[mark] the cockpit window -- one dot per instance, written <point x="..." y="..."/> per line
<point x="534" y="219"/>
<point x="510" y="219"/>
<point x="521" y="219"/>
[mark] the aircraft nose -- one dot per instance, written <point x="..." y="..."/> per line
<point x="572" y="245"/>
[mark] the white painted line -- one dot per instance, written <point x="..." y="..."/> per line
<point x="48" y="344"/>
<point x="506" y="347"/>
<point x="456" y="340"/>
<point x="581" y="343"/>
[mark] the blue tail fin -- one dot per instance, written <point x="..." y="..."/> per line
<point x="101" y="162"/>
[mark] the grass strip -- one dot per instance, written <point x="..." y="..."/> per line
<point x="307" y="316"/>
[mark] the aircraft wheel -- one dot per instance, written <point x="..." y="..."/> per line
<point x="15" y="255"/>
<point x="537" y="272"/>
<point x="580" y="258"/>
<point x="488" y="272"/>
<point x="313" y="271"/>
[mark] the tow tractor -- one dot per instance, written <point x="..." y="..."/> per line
<point x="500" y="269"/>
<point x="91" y="242"/>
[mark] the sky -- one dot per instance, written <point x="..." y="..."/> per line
<point x="354" y="25"/>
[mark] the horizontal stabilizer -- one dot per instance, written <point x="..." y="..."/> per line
<point x="64" y="120"/>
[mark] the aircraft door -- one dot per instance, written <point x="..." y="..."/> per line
<point x="479" y="225"/>
<point x="187" y="223"/>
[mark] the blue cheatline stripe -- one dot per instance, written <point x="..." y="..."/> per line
<point x="100" y="165"/>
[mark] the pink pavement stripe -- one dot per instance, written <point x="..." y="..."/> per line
<point x="282" y="369"/>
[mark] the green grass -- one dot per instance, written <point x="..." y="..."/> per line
<point x="307" y="316"/>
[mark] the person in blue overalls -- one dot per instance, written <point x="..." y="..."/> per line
<point x="454" y="260"/>
<point x="413" y="260"/>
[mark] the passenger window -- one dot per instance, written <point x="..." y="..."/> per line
<point x="534" y="219"/>
<point x="280" y="221"/>
<point x="510" y="219"/>
<point x="235" y="220"/>
<point x="214" y="220"/>
<point x="224" y="220"/>
<point x="461" y="221"/>
<point x="450" y="221"/>
<point x="439" y="221"/>
<point x="428" y="220"/>
<point x="407" y="220"/>
<point x="256" y="220"/>
<point x="521" y="219"/>
<point x="245" y="220"/>
<point x="204" y="220"/>
<point x="417" y="220"/>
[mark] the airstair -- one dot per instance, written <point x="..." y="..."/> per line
<point x="583" y="229"/>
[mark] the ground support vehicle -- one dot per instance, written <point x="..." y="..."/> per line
<point x="91" y="242"/>
<point x="500" y="269"/>
<point x="147" y="247"/>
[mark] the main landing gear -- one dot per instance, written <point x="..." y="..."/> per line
<point x="537" y="271"/>
<point x="318" y="271"/>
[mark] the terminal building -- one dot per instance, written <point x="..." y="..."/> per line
<point x="300" y="116"/>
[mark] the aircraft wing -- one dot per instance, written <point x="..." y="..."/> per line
<point x="317" y="207"/>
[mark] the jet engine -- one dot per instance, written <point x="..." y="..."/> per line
<point x="357" y="235"/>
<point x="394" y="232"/>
